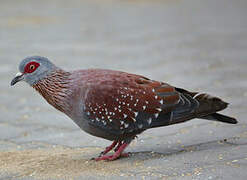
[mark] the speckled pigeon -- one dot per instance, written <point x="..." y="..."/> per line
<point x="116" y="105"/>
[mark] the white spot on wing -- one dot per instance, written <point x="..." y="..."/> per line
<point x="158" y="109"/>
<point x="161" y="101"/>
<point x="149" y="120"/>
<point x="156" y="115"/>
<point x="133" y="119"/>
<point x="125" y="115"/>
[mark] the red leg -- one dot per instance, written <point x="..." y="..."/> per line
<point x="116" y="155"/>
<point x="109" y="148"/>
<point x="118" y="146"/>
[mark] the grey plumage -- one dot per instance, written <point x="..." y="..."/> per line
<point x="44" y="70"/>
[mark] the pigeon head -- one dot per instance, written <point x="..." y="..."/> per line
<point x="32" y="69"/>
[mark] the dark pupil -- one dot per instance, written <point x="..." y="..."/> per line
<point x="32" y="67"/>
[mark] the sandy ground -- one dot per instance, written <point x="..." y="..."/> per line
<point x="198" y="45"/>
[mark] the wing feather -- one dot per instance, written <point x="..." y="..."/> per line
<point x="128" y="102"/>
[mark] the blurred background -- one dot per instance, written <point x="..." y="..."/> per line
<point x="193" y="44"/>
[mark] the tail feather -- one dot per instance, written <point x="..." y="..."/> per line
<point x="208" y="107"/>
<point x="221" y="118"/>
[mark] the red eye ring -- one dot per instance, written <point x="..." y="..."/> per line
<point x="31" y="67"/>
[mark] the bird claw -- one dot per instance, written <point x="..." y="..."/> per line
<point x="111" y="157"/>
<point x="92" y="159"/>
<point x="125" y="154"/>
<point x="118" y="152"/>
<point x="108" y="148"/>
<point x="108" y="158"/>
<point x="101" y="154"/>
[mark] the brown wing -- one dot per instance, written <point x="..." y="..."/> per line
<point x="129" y="102"/>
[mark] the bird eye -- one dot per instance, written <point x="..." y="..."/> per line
<point x="32" y="67"/>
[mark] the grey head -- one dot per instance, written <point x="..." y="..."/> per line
<point x="32" y="69"/>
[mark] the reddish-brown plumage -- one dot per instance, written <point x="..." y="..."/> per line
<point x="116" y="98"/>
<point x="55" y="89"/>
<point x="116" y="105"/>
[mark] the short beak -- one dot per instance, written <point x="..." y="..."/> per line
<point x="18" y="77"/>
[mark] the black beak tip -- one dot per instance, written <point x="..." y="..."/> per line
<point x="16" y="79"/>
<point x="13" y="82"/>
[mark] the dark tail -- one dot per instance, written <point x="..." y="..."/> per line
<point x="221" y="118"/>
<point x="208" y="106"/>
